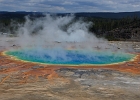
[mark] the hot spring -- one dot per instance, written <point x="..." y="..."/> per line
<point x="61" y="56"/>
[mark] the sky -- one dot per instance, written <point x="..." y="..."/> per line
<point x="63" y="6"/>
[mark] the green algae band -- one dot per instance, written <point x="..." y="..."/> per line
<point x="70" y="57"/>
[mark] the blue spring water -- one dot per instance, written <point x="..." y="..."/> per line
<point x="70" y="57"/>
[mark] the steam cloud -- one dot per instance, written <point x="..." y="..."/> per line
<point x="55" y="29"/>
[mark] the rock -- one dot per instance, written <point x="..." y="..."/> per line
<point x="35" y="67"/>
<point x="130" y="64"/>
<point x="69" y="73"/>
<point x="84" y="76"/>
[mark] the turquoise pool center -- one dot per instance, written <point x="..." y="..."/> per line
<point x="70" y="57"/>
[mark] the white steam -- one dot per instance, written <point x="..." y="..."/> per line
<point x="50" y="30"/>
<point x="55" y="29"/>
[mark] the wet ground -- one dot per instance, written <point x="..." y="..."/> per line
<point x="30" y="81"/>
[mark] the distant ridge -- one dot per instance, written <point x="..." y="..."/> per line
<point x="110" y="14"/>
<point x="17" y="14"/>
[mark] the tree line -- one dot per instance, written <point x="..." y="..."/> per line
<point x="111" y="29"/>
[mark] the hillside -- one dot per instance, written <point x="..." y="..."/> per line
<point x="111" y="15"/>
<point x="127" y="29"/>
<point x="113" y="26"/>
